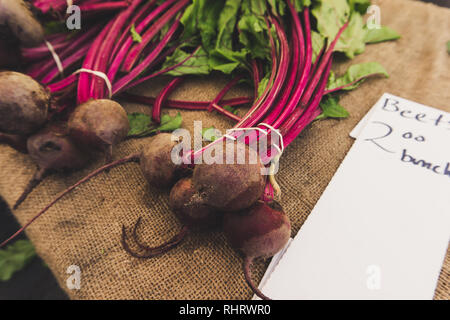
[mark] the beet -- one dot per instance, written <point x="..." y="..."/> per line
<point x="24" y="103"/>
<point x="231" y="187"/>
<point x="98" y="125"/>
<point x="52" y="150"/>
<point x="191" y="200"/>
<point x="189" y="207"/>
<point x="150" y="171"/>
<point x="261" y="231"/>
<point x="156" y="162"/>
<point x="16" y="19"/>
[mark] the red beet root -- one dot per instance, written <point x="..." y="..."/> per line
<point x="155" y="145"/>
<point x="156" y="162"/>
<point x="24" y="104"/>
<point x="99" y="124"/>
<point x="186" y="204"/>
<point x="189" y="207"/>
<point x="51" y="149"/>
<point x="231" y="186"/>
<point x="260" y="231"/>
<point x="16" y="19"/>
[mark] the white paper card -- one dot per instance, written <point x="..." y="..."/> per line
<point x="363" y="122"/>
<point x="272" y="265"/>
<point x="382" y="226"/>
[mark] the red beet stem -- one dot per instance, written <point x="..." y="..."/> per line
<point x="312" y="111"/>
<point x="122" y="83"/>
<point x="226" y="112"/>
<point x="324" y="61"/>
<point x="143" y="12"/>
<point x="106" y="6"/>
<point x="303" y="80"/>
<point x="121" y="55"/>
<point x="162" y="96"/>
<point x="224" y="91"/>
<point x="297" y="41"/>
<point x="158" y="73"/>
<point x="107" y="45"/>
<point x="188" y="105"/>
<point x="137" y="49"/>
<point x="281" y="73"/>
<point x="263" y="96"/>
<point x="256" y="77"/>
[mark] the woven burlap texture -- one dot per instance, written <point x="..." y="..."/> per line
<point x="84" y="228"/>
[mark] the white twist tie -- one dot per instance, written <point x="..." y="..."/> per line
<point x="98" y="74"/>
<point x="276" y="159"/>
<point x="265" y="132"/>
<point x="279" y="134"/>
<point x="55" y="57"/>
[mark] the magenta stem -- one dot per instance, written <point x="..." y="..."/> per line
<point x="137" y="49"/>
<point x="168" y="89"/>
<point x="188" y="105"/>
<point x="121" y="83"/>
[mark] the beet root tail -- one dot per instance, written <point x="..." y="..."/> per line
<point x="131" y="158"/>
<point x="248" y="277"/>
<point x="37" y="178"/>
<point x="150" y="252"/>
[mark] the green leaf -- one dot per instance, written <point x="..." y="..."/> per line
<point x="210" y="134"/>
<point x="263" y="84"/>
<point x="188" y="19"/>
<point x="255" y="7"/>
<point x="300" y="4"/>
<point x="359" y="5"/>
<point x="169" y="124"/>
<point x="15" y="257"/>
<point x="231" y="109"/>
<point x="448" y="47"/>
<point x="332" y="109"/>
<point x="196" y="63"/>
<point x="380" y="35"/>
<point x="355" y="75"/>
<point x="330" y="16"/>
<point x="253" y="35"/>
<point x="317" y="42"/>
<point x="141" y="124"/>
<point x="278" y="7"/>
<point x="227" y="24"/>
<point x="352" y="40"/>
<point x="208" y="22"/>
<point x="53" y="27"/>
<point x="134" y="35"/>
<point x="201" y="18"/>
<point x="226" y="60"/>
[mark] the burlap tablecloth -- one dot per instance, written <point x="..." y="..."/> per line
<point x="84" y="228"/>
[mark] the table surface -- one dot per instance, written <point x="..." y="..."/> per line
<point x="36" y="281"/>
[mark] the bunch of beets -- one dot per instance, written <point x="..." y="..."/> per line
<point x="60" y="109"/>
